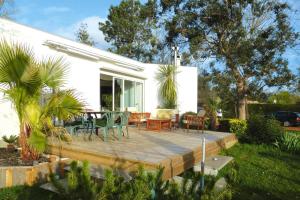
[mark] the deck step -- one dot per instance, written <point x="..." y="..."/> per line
<point x="50" y="187"/>
<point x="213" y="164"/>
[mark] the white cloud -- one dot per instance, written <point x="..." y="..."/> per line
<point x="92" y="28"/>
<point x="55" y="9"/>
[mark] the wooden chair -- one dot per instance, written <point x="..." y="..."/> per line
<point x="175" y="122"/>
<point x="194" y="120"/>
<point x="138" y="118"/>
<point x="135" y="118"/>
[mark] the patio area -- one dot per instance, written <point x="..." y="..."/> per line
<point x="176" y="151"/>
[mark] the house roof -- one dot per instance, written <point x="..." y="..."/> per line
<point x="63" y="44"/>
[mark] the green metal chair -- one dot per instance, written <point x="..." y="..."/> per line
<point x="110" y="124"/>
<point x="123" y="123"/>
<point x="74" y="126"/>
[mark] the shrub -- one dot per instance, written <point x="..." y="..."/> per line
<point x="289" y="142"/>
<point x="79" y="183"/>
<point x="144" y="185"/>
<point x="236" y="126"/>
<point x="263" y="130"/>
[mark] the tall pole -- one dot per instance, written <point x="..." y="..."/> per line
<point x="202" y="163"/>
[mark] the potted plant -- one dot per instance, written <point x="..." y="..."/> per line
<point x="11" y="141"/>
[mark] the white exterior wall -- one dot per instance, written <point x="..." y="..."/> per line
<point x="187" y="86"/>
<point x="84" y="73"/>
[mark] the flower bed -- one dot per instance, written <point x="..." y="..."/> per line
<point x="12" y="158"/>
<point x="14" y="171"/>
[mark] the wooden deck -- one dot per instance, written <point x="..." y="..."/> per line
<point x="176" y="151"/>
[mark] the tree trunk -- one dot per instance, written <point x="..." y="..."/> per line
<point x="27" y="153"/>
<point x="242" y="100"/>
<point x="242" y="108"/>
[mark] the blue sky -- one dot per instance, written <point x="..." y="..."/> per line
<point x="63" y="17"/>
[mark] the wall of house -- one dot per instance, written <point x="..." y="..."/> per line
<point x="84" y="74"/>
<point x="187" y="84"/>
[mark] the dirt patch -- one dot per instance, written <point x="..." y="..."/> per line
<point x="12" y="158"/>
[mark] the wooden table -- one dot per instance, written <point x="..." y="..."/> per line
<point x="158" y="124"/>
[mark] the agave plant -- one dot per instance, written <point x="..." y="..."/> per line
<point x="289" y="142"/>
<point x="25" y="81"/>
<point x="167" y="85"/>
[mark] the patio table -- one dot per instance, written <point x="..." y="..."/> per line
<point x="158" y="124"/>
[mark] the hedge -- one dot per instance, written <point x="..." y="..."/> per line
<point x="236" y="126"/>
<point x="270" y="108"/>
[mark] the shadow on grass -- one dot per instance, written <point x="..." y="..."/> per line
<point x="254" y="193"/>
<point x="25" y="192"/>
<point x="292" y="160"/>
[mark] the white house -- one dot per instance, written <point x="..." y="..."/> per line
<point x="105" y="81"/>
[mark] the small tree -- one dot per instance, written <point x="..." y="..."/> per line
<point x="284" y="97"/>
<point x="25" y="82"/>
<point x="83" y="36"/>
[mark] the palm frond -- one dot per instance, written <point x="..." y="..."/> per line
<point x="53" y="72"/>
<point x="18" y="66"/>
<point x="37" y="141"/>
<point x="63" y="105"/>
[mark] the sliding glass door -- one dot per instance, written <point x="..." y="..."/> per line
<point x="119" y="94"/>
<point x="129" y="95"/>
<point x="139" y="96"/>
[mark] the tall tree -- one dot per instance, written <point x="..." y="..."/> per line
<point x="83" y="36"/>
<point x="204" y="87"/>
<point x="129" y="29"/>
<point x="248" y="37"/>
<point x="6" y="8"/>
<point x="298" y="79"/>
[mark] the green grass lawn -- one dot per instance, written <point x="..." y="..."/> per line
<point x="264" y="172"/>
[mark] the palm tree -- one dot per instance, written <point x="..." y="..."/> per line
<point x="212" y="106"/>
<point x="33" y="87"/>
<point x="166" y="78"/>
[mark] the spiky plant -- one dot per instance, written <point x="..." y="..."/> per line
<point x="11" y="139"/>
<point x="289" y="142"/>
<point x="167" y="85"/>
<point x="23" y="81"/>
<point x="79" y="183"/>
